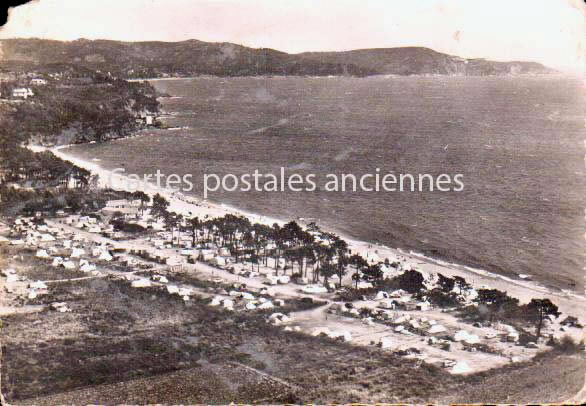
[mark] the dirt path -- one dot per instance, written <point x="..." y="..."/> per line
<point x="8" y="310"/>
<point x="367" y="334"/>
<point x="83" y="278"/>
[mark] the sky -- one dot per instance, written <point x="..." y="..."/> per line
<point x="552" y="32"/>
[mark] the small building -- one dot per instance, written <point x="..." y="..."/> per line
<point x="123" y="206"/>
<point x="146" y="118"/>
<point x="122" y="203"/>
<point x="22" y="92"/>
<point x="38" y="81"/>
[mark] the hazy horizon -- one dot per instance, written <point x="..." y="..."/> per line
<point x="274" y="49"/>
<point x="550" y="33"/>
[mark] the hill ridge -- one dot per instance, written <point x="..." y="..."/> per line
<point x="193" y="57"/>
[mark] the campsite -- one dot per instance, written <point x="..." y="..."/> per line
<point x="111" y="297"/>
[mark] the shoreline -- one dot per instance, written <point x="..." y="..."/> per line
<point x="411" y="254"/>
<point x="380" y="75"/>
<point x="569" y="302"/>
<point x="544" y="283"/>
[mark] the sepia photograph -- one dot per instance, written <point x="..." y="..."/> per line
<point x="293" y="202"/>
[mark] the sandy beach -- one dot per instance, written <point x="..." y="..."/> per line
<point x="524" y="290"/>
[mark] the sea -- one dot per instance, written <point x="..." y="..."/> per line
<point x="518" y="143"/>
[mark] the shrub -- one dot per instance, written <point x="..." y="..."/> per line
<point x="525" y="338"/>
<point x="121" y="225"/>
<point x="568" y="346"/>
<point x="409" y="281"/>
<point x="446" y="284"/>
<point x="440" y="298"/>
<point x="351" y="295"/>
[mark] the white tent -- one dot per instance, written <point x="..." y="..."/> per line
<point x="61" y="307"/>
<point x="12" y="278"/>
<point x="68" y="265"/>
<point x="346" y="335"/>
<point x="382" y="295"/>
<point x="141" y="283"/>
<point x="87" y="267"/>
<point x="438" y="328"/>
<point x="47" y="237"/>
<point x="160" y="278"/>
<point x="77" y="252"/>
<point x="247" y="296"/>
<point x="266" y="305"/>
<point x="402" y="319"/>
<point x="466" y="337"/>
<point x="228" y="304"/>
<point x="105" y="256"/>
<point x="220" y="261"/>
<point x="185" y="292"/>
<point x="272" y="279"/>
<point x="314" y="289"/>
<point x="37" y="285"/>
<point x="320" y="330"/>
<point x="9" y="271"/>
<point x="173" y="261"/>
<point x="278" y="318"/>
<point x="302" y="281"/>
<point x="386" y="304"/>
<point x="216" y="301"/>
<point x="461" y="367"/>
<point x="42" y="254"/>
<point x="387" y="271"/>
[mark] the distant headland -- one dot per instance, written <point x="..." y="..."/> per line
<point x="132" y="60"/>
